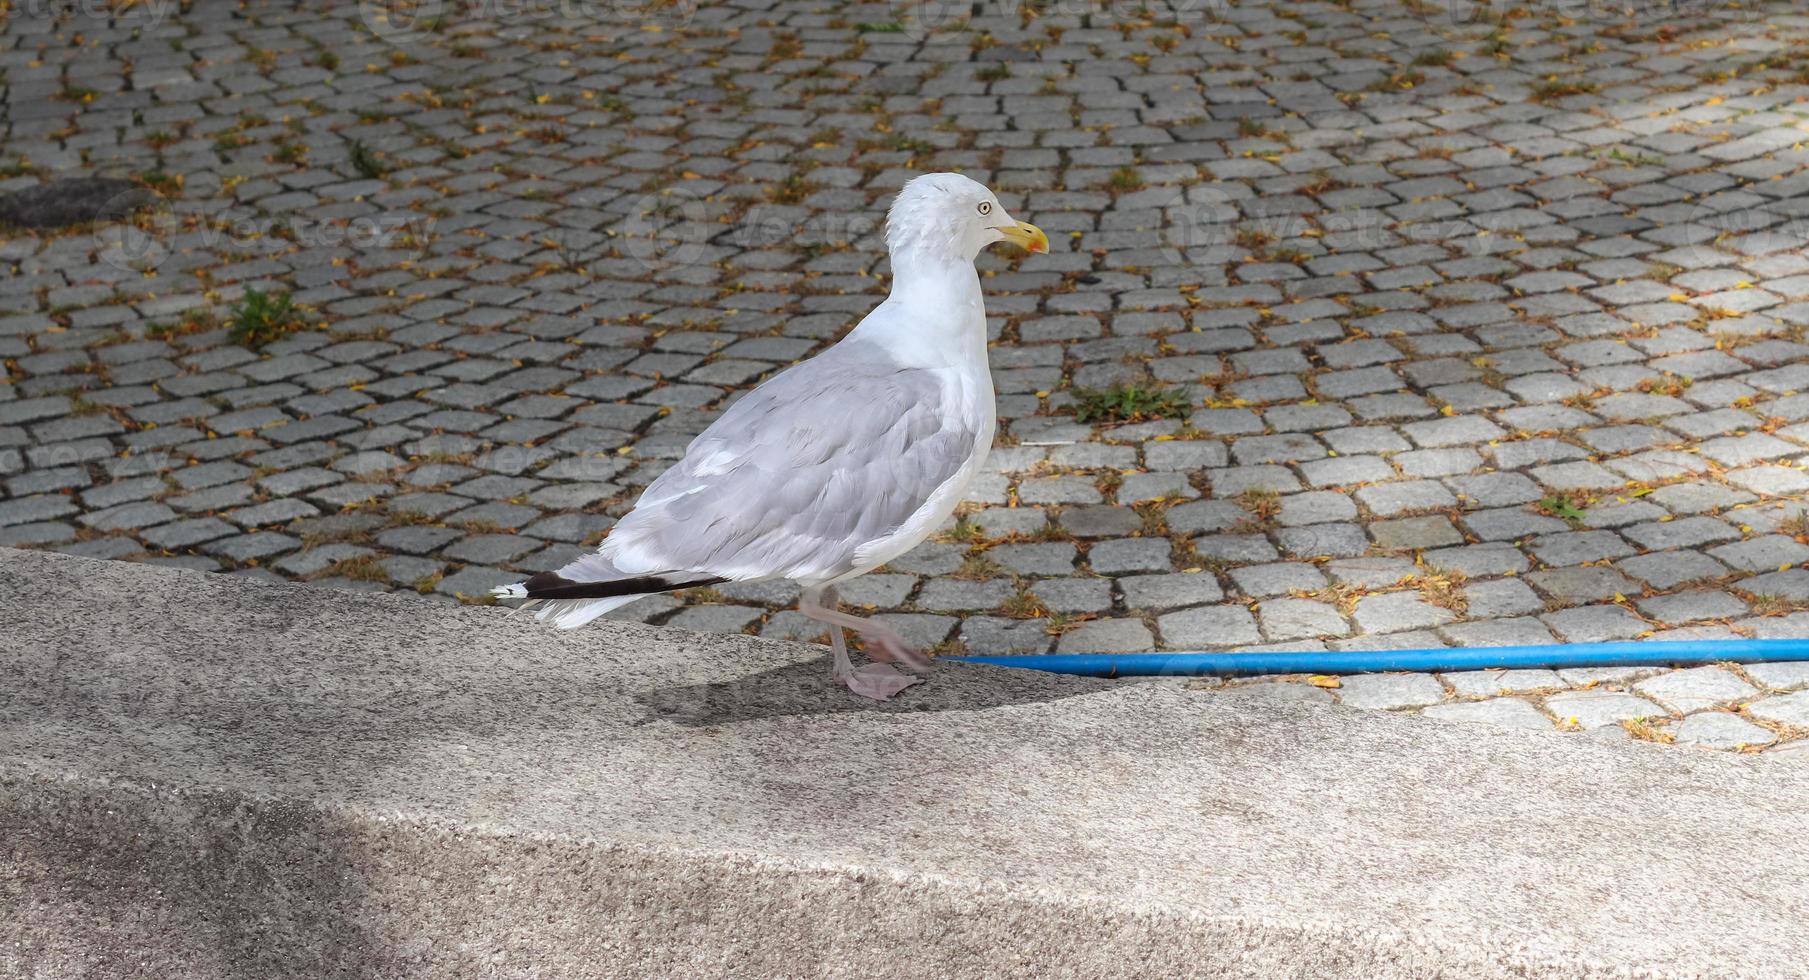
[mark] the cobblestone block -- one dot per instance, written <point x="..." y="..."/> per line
<point x="258" y="546"/>
<point x="1690" y="690"/>
<point x="997" y="522"/>
<point x="186" y="534"/>
<point x="1595" y="624"/>
<point x="1107" y="636"/>
<point x="1393" y="612"/>
<point x="1582" y="584"/>
<point x="993" y="635"/>
<point x="1495" y="598"/>
<point x="1206" y="516"/>
<point x="1164" y="592"/>
<point x="1208" y="628"/>
<point x="1316" y="508"/>
<point x="490" y="549"/>
<point x="1477" y="560"/>
<point x="1689" y="532"/>
<point x="1293" y="619"/>
<point x="1052" y="558"/>
<point x="1074" y="595"/>
<point x="1782" y="709"/>
<point x="875" y="591"/>
<point x="1516" y="631"/>
<point x="1488" y="683"/>
<point x="1579" y="547"/>
<point x="951" y="595"/>
<point x="1721" y="730"/>
<point x="1685" y="607"/>
<point x="1388" y="691"/>
<point x="1598" y="708"/>
<point x="1093" y="522"/>
<point x="1786" y="676"/>
<point x="1671" y="569"/>
<point x="1770" y="552"/>
<point x="1058" y="490"/>
<point x="1142" y="487"/>
<point x="1320" y="541"/>
<point x="127" y="517"/>
<point x="1127" y="555"/>
<point x="1347" y="471"/>
<point x="1414" y="533"/>
<point x="1283" y="578"/>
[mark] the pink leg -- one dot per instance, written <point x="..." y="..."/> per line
<point x="878" y="681"/>
<point x="842" y="670"/>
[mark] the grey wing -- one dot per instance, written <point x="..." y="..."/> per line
<point x="827" y="456"/>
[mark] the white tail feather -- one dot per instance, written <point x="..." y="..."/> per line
<point x="569" y="614"/>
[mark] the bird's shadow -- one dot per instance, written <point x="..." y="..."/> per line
<point x="806" y="689"/>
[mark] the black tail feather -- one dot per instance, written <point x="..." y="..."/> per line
<point x="549" y="585"/>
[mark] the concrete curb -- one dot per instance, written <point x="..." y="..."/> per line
<point x="206" y="777"/>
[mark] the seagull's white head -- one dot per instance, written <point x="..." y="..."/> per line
<point x="953" y="217"/>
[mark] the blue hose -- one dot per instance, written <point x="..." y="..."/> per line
<point x="1644" y="653"/>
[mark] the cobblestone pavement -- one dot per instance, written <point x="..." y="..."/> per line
<point x="1446" y="326"/>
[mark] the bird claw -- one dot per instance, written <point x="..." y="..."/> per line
<point x="878" y="681"/>
<point x="892" y="650"/>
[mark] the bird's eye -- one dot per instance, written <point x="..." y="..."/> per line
<point x="985" y="207"/>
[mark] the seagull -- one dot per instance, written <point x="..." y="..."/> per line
<point x="836" y="465"/>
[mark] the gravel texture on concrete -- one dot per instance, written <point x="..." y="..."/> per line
<point x="204" y="776"/>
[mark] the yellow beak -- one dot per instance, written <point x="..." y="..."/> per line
<point x="1026" y="236"/>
